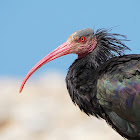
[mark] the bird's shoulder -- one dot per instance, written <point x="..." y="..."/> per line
<point x="121" y="63"/>
<point x="118" y="86"/>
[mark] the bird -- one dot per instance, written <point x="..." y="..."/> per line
<point x="103" y="81"/>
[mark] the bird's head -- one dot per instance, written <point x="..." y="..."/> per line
<point x="81" y="43"/>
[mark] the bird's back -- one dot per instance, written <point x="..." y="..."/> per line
<point x="118" y="93"/>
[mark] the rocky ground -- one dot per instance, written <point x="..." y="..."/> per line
<point x="44" y="111"/>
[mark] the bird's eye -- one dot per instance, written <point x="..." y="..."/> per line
<point x="82" y="39"/>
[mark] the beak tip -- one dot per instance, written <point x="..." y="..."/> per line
<point x="58" y="52"/>
<point x="20" y="90"/>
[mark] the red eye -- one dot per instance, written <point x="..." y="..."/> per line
<point x="82" y="39"/>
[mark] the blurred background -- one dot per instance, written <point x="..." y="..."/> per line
<point x="30" y="29"/>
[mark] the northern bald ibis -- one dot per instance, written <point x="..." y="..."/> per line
<point x="102" y="81"/>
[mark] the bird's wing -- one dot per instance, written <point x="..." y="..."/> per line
<point x="118" y="92"/>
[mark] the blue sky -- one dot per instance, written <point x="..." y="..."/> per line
<point x="30" y="29"/>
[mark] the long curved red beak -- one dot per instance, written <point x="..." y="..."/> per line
<point x="58" y="52"/>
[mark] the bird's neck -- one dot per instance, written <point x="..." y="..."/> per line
<point x="82" y="84"/>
